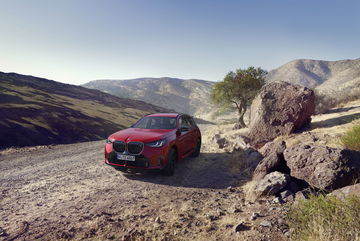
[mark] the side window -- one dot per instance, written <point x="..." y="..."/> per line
<point x="183" y="122"/>
<point x="191" y="122"/>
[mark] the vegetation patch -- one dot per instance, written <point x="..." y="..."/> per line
<point x="325" y="218"/>
<point x="351" y="139"/>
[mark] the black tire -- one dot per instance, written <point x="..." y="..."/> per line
<point x="196" y="152"/>
<point x="170" y="165"/>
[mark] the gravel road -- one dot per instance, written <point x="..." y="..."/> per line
<point x="67" y="192"/>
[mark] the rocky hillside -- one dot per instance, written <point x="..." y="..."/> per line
<point x="331" y="77"/>
<point x="188" y="96"/>
<point x="36" y="111"/>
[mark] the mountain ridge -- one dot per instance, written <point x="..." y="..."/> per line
<point x="326" y="76"/>
<point x="189" y="96"/>
<point x="50" y="112"/>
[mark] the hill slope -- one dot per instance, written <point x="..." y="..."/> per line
<point x="330" y="77"/>
<point x="36" y="111"/>
<point x="188" y="96"/>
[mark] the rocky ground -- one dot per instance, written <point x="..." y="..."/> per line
<point x="67" y="192"/>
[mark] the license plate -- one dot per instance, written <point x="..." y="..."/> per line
<point x="125" y="157"/>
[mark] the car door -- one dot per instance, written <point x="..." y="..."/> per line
<point x="192" y="133"/>
<point x="184" y="138"/>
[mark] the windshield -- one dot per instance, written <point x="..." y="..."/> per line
<point x="156" y="122"/>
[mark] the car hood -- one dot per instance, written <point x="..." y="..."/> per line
<point x="143" y="135"/>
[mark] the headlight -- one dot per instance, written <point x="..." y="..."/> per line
<point x="109" y="141"/>
<point x="158" y="143"/>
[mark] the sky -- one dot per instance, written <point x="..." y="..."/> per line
<point x="79" y="41"/>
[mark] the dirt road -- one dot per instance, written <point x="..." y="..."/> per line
<point x="67" y="192"/>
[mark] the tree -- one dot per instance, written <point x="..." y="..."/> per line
<point x="239" y="89"/>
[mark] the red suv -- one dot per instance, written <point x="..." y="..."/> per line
<point x="156" y="141"/>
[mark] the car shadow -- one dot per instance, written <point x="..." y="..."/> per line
<point x="209" y="170"/>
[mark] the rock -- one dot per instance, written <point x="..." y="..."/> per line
<point x="277" y="200"/>
<point x="279" y="109"/>
<point x="271" y="184"/>
<point x="241" y="227"/>
<point x="237" y="210"/>
<point x="241" y="142"/>
<point x="352" y="190"/>
<point x="220" y="141"/>
<point x="273" y="160"/>
<point x="323" y="167"/>
<point x="265" y="223"/>
<point x="267" y="165"/>
<point x="3" y="232"/>
<point x="299" y="196"/>
<point x="273" y="147"/>
<point x="285" y="194"/>
<point x="229" y="226"/>
<point x="254" y="216"/>
<point x="230" y="189"/>
<point x="157" y="220"/>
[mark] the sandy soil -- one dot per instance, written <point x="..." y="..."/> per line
<point x="67" y="192"/>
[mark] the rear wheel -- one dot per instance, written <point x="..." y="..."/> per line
<point x="170" y="164"/>
<point x="196" y="152"/>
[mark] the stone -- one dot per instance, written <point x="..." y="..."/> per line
<point x="266" y="166"/>
<point x="220" y="141"/>
<point x="271" y="147"/>
<point x="157" y="220"/>
<point x="352" y="190"/>
<point x="265" y="223"/>
<point x="254" y="216"/>
<point x="286" y="196"/>
<point x="299" y="196"/>
<point x="271" y="184"/>
<point x="3" y="232"/>
<point x="323" y="167"/>
<point x="241" y="142"/>
<point x="241" y="227"/>
<point x="279" y="109"/>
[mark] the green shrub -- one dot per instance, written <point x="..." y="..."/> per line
<point x="325" y="218"/>
<point x="351" y="139"/>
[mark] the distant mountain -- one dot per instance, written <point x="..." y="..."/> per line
<point x="190" y="96"/>
<point x="330" y="77"/>
<point x="36" y="111"/>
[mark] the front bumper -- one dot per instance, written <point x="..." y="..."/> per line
<point x="150" y="158"/>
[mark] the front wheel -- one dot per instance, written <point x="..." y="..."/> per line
<point x="170" y="164"/>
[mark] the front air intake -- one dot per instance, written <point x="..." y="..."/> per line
<point x="135" y="148"/>
<point x="119" y="146"/>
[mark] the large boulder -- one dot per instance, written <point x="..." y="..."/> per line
<point x="267" y="165"/>
<point x="271" y="184"/>
<point x="352" y="190"/>
<point x="279" y="109"/>
<point x="273" y="160"/>
<point x="323" y="167"/>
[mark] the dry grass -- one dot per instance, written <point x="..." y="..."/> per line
<point x="351" y="139"/>
<point x="250" y="194"/>
<point x="325" y="218"/>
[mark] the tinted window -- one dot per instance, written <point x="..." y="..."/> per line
<point x="156" y="122"/>
<point x="191" y="121"/>
<point x="184" y="122"/>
